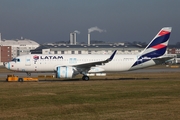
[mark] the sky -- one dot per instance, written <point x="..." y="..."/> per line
<point x="48" y="21"/>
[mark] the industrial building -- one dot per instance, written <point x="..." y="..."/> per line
<point x="5" y="53"/>
<point x="20" y="47"/>
<point x="87" y="49"/>
<point x="14" y="48"/>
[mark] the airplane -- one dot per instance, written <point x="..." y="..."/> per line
<point x="68" y="66"/>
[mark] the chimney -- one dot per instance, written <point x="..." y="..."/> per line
<point x="89" y="38"/>
<point x="71" y="38"/>
<point x="74" y="38"/>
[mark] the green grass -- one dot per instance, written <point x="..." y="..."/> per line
<point x="102" y="100"/>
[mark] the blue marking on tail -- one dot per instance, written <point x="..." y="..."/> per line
<point x="150" y="55"/>
<point x="159" y="40"/>
<point x="155" y="53"/>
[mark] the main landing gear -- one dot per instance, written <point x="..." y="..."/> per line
<point x="85" y="77"/>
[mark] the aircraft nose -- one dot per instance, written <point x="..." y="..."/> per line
<point x="6" y="64"/>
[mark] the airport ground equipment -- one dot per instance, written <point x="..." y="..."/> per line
<point x="13" y="78"/>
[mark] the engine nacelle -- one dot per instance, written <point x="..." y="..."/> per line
<point x="65" y="72"/>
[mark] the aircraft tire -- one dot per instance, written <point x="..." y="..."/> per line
<point x="20" y="79"/>
<point x="29" y="74"/>
<point x="85" y="78"/>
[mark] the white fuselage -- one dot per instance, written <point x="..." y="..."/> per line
<point x="49" y="63"/>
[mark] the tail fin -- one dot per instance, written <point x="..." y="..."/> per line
<point x="157" y="47"/>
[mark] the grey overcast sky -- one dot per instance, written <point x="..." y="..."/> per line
<point x="47" y="21"/>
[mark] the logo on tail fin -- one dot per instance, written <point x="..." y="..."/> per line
<point x="156" y="48"/>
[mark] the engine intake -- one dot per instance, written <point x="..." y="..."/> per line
<point x="65" y="72"/>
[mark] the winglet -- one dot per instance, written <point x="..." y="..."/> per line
<point x="112" y="56"/>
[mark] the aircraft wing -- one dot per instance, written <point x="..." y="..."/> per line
<point x="86" y="67"/>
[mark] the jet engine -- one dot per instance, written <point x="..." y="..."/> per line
<point x="65" y="72"/>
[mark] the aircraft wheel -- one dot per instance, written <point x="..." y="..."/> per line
<point x="20" y="79"/>
<point x="86" y="78"/>
<point x="29" y="74"/>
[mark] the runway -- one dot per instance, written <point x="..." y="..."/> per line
<point x="146" y="70"/>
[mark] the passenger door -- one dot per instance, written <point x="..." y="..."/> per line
<point x="27" y="61"/>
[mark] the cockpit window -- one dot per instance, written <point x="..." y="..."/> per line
<point x="16" y="60"/>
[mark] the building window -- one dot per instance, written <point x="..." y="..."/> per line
<point x="55" y="52"/>
<point x="79" y="52"/>
<point x="72" y="52"/>
<point x="89" y="52"/>
<point x="62" y="52"/>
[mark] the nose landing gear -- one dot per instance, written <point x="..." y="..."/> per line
<point x="28" y="74"/>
